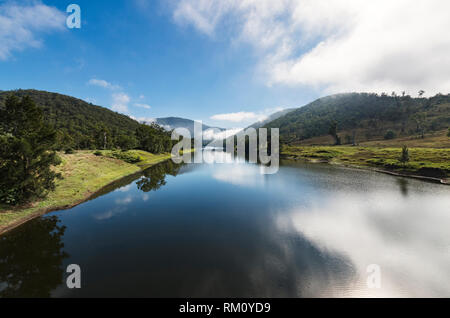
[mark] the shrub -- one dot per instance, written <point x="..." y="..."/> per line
<point x="126" y="156"/>
<point x="98" y="153"/>
<point x="69" y="151"/>
<point x="9" y="196"/>
<point x="389" y="135"/>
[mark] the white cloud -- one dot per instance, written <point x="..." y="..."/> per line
<point x="239" y="175"/>
<point x="336" y="45"/>
<point x="142" y="105"/>
<point x="120" y="99"/>
<point x="90" y="100"/>
<point x="103" y="83"/>
<point x="120" y="102"/>
<point x="247" y="116"/>
<point x="216" y="134"/>
<point x="21" y="24"/>
<point x="194" y="12"/>
<point x="126" y="188"/>
<point x="239" y="117"/>
<point x="146" y="120"/>
<point x="125" y="200"/>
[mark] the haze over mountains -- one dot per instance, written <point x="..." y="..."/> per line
<point x="171" y="123"/>
<point x="271" y="118"/>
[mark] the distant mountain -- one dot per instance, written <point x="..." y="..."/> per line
<point x="170" y="123"/>
<point x="369" y="116"/>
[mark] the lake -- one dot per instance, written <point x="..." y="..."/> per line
<point x="226" y="230"/>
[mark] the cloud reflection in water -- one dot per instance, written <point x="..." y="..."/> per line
<point x="408" y="238"/>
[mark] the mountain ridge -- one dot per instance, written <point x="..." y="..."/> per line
<point x="368" y="115"/>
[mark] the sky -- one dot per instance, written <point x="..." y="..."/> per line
<point x="228" y="63"/>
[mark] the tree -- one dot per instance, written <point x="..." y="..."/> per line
<point x="420" y="123"/>
<point x="448" y="133"/>
<point x="404" y="158"/>
<point x="155" y="177"/>
<point x="26" y="152"/>
<point x="348" y="139"/>
<point x="421" y="92"/>
<point x="333" y="132"/>
<point x="103" y="135"/>
<point x="126" y="142"/>
<point x="153" y="138"/>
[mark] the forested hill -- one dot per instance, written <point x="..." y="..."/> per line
<point x="79" y="124"/>
<point x="368" y="116"/>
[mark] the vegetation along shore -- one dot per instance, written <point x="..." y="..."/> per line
<point x="84" y="173"/>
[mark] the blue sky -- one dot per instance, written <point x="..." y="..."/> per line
<point x="228" y="63"/>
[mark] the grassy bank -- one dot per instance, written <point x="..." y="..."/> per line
<point x="140" y="158"/>
<point x="429" y="162"/>
<point x="83" y="174"/>
<point x="438" y="139"/>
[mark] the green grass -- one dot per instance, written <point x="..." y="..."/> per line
<point x="433" y="162"/>
<point x="438" y="139"/>
<point x="432" y="140"/>
<point x="146" y="159"/>
<point x="83" y="174"/>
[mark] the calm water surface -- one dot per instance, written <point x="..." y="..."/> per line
<point x="222" y="230"/>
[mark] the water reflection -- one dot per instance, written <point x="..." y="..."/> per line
<point x="408" y="239"/>
<point x="403" y="184"/>
<point x="31" y="259"/>
<point x="155" y="177"/>
<point x="226" y="230"/>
